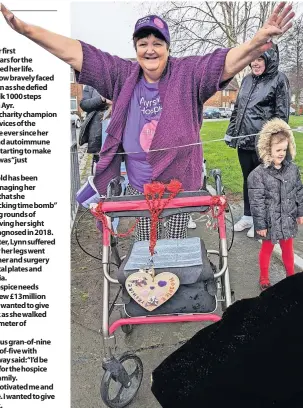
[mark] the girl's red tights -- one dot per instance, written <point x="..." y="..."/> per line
<point x="287" y="247"/>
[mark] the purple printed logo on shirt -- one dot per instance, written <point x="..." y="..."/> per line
<point x="151" y="110"/>
<point x="150" y="107"/>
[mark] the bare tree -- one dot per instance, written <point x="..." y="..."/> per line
<point x="198" y="28"/>
<point x="292" y="59"/>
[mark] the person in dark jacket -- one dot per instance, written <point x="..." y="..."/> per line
<point x="91" y="130"/>
<point x="264" y="94"/>
<point x="251" y="358"/>
<point x="276" y="196"/>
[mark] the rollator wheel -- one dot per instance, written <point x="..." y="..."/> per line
<point x="128" y="328"/>
<point x="113" y="393"/>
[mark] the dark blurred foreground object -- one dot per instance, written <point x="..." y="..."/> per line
<point x="252" y="358"/>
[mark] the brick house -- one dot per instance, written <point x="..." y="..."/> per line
<point x="225" y="98"/>
<point x="294" y="106"/>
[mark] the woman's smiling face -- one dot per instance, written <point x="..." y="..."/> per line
<point x="258" y="66"/>
<point x="152" y="55"/>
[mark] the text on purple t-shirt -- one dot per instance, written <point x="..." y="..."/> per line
<point x="143" y="116"/>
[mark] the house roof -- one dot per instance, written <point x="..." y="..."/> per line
<point x="233" y="85"/>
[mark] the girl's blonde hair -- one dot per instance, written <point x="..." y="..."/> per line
<point x="275" y="131"/>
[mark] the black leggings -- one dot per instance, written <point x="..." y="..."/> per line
<point x="248" y="161"/>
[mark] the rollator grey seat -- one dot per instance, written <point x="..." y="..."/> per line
<point x="186" y="258"/>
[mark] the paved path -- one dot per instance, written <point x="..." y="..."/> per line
<point x="151" y="343"/>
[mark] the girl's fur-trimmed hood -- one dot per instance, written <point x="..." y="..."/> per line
<point x="269" y="130"/>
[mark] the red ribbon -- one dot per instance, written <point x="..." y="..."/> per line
<point x="218" y="202"/>
<point x="153" y="193"/>
<point x="100" y="215"/>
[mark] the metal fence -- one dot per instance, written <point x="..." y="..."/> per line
<point x="74" y="175"/>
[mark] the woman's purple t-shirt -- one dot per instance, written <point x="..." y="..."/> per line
<point x="142" y="120"/>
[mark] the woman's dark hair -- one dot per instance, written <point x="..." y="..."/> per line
<point x="146" y="32"/>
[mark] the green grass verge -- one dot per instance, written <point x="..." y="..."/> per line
<point x="219" y="155"/>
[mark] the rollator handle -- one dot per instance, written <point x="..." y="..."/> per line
<point x="216" y="174"/>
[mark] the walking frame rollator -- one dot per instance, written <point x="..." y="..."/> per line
<point x="124" y="374"/>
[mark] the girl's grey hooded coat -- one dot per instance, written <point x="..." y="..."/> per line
<point x="275" y="195"/>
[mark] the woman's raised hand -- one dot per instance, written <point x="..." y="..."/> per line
<point x="15" y="23"/>
<point x="280" y="18"/>
<point x="277" y="24"/>
<point x="67" y="49"/>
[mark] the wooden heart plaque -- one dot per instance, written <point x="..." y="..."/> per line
<point x="150" y="292"/>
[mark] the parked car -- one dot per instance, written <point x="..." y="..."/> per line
<point x="225" y="112"/>
<point x="211" y="113"/>
<point x="75" y="119"/>
<point x="292" y="111"/>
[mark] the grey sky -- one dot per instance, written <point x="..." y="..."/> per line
<point x="106" y="25"/>
<point x="109" y="25"/>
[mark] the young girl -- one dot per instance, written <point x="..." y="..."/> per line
<point x="276" y="196"/>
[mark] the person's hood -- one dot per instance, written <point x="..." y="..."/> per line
<point x="268" y="131"/>
<point x="271" y="58"/>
